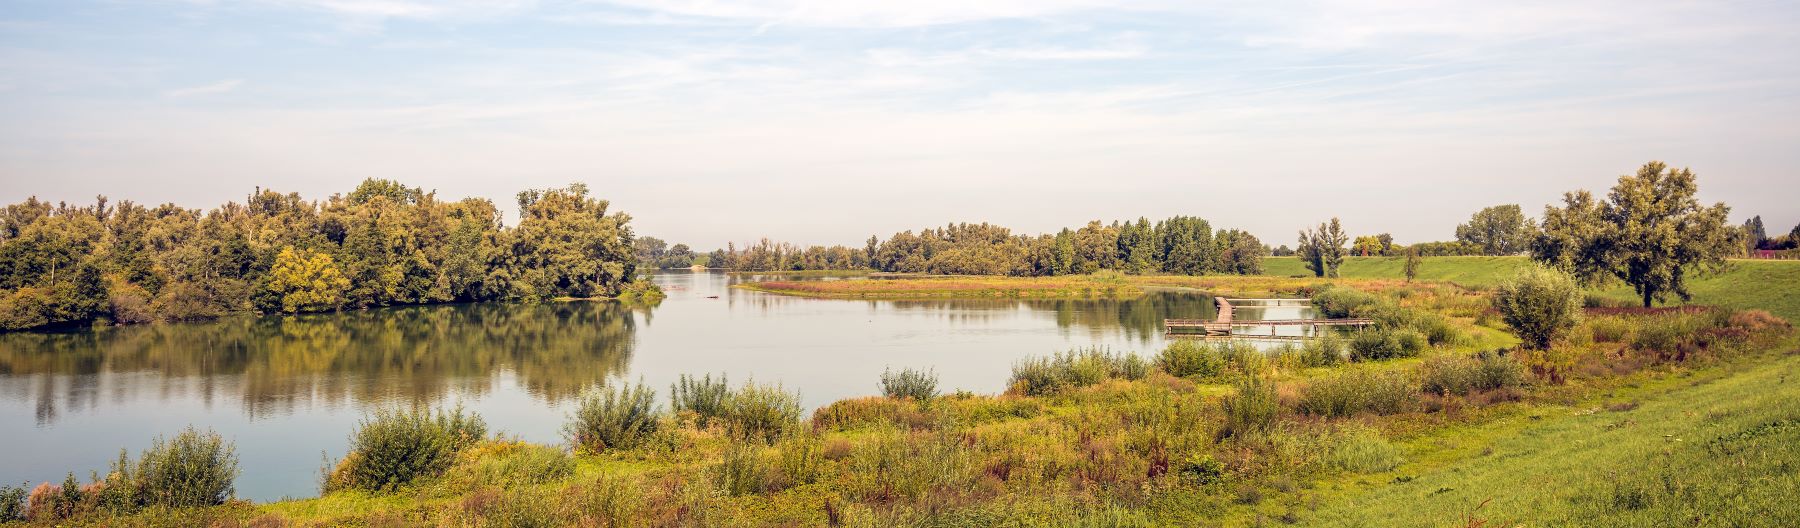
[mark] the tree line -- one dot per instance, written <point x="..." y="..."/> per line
<point x="382" y="244"/>
<point x="1182" y="245"/>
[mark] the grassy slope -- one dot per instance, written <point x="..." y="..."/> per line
<point x="1712" y="448"/>
<point x="1772" y="285"/>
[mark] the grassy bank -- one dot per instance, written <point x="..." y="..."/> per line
<point x="1772" y="285"/>
<point x="930" y="287"/>
<point x="1337" y="432"/>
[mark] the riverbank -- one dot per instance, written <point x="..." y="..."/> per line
<point x="960" y="287"/>
<point x="1172" y="440"/>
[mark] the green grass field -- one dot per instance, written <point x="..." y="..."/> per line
<point x="1772" y="285"/>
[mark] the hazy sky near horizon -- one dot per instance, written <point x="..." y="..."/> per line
<point x="827" y="121"/>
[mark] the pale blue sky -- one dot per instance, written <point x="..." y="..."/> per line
<point x="824" y="122"/>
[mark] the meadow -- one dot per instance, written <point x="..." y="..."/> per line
<point x="956" y="287"/>
<point x="1434" y="418"/>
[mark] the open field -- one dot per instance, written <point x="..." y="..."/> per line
<point x="1763" y="284"/>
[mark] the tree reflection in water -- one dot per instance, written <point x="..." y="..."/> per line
<point x="274" y="364"/>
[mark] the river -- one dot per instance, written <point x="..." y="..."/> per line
<point x="288" y="390"/>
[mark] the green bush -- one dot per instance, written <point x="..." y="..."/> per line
<point x="12" y="503"/>
<point x="705" y="397"/>
<point x="392" y="448"/>
<point x="1077" y="368"/>
<point x="1189" y="358"/>
<point x="1357" y="391"/>
<point x="1325" y="351"/>
<point x="193" y="469"/>
<point x="1362" y="450"/>
<point x="1338" y="302"/>
<point x="1540" y="304"/>
<point x="606" y="418"/>
<point x="1448" y="375"/>
<point x="1609" y="329"/>
<point x="764" y="412"/>
<point x="1498" y="371"/>
<point x="1252" y="408"/>
<point x="1386" y="343"/>
<point x="919" y="385"/>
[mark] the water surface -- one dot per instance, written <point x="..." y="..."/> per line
<point x="288" y="390"/>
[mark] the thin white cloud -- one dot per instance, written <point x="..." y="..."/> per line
<point x="206" y="89"/>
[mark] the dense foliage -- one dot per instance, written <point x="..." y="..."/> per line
<point x="1322" y="249"/>
<point x="1498" y="230"/>
<point x="393" y="448"/>
<point x="1539" y="304"/>
<point x="1650" y="232"/>
<point x="382" y="244"/>
<point x="1181" y="245"/>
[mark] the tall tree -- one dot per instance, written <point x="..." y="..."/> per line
<point x="1332" y="247"/>
<point x="1498" y="230"/>
<point x="569" y="245"/>
<point x="1412" y="263"/>
<point x="1651" y="233"/>
<point x="1311" y="251"/>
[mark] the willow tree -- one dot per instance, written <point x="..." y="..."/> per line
<point x="567" y="245"/>
<point x="1650" y="232"/>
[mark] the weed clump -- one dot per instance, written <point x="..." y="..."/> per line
<point x="607" y="418"/>
<point x="1358" y="391"/>
<point x="705" y="397"/>
<point x="393" y="448"/>
<point x="1039" y="376"/>
<point x="920" y="385"/>
<point x="1362" y="450"/>
<point x="1386" y="343"/>
<point x="1252" y="409"/>
<point x="763" y="412"/>
<point x="1203" y="360"/>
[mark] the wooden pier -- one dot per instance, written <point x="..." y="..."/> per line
<point x="1224" y="324"/>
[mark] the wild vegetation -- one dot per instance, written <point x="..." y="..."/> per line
<point x="1203" y="432"/>
<point x="1179" y="245"/>
<point x="382" y="244"/>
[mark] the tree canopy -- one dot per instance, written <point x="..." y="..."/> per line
<point x="381" y="244"/>
<point x="1650" y="232"/>
<point x="1498" y="230"/>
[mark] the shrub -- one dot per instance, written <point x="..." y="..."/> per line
<point x="392" y="448"/>
<point x="1077" y="368"/>
<point x="1252" y="408"/>
<point x="12" y="503"/>
<point x="612" y="418"/>
<point x="857" y="412"/>
<point x="1540" y="304"/>
<point x="1358" y="391"/>
<point x="1190" y="358"/>
<point x="1385" y="343"/>
<point x="1609" y="329"/>
<point x="193" y="469"/>
<point x="1337" y="302"/>
<point x="1362" y="450"/>
<point x="1203" y="469"/>
<point x="798" y="461"/>
<point x="704" y="397"/>
<point x="1448" y="375"/>
<point x="763" y="412"/>
<point x="741" y="472"/>
<point x="1497" y="371"/>
<point x="910" y="383"/>
<point x="1324" y="351"/>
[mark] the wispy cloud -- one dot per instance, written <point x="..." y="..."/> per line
<point x="205" y="89"/>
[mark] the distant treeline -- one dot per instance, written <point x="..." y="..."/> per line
<point x="382" y="244"/>
<point x="1182" y="245"/>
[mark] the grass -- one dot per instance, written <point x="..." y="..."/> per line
<point x="1606" y="428"/>
<point x="1746" y="284"/>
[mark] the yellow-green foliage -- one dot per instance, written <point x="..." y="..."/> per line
<point x="392" y="448"/>
<point x="306" y="281"/>
<point x="612" y="418"/>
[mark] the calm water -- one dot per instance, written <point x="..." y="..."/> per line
<point x="289" y="390"/>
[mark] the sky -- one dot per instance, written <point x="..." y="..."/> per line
<point x="823" y="122"/>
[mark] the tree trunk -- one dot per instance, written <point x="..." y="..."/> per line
<point x="1646" y="297"/>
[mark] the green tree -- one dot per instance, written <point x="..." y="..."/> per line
<point x="1323" y="248"/>
<point x="1754" y="231"/>
<point x="1412" y="263"/>
<point x="567" y="245"/>
<point x="306" y="281"/>
<point x="1311" y="251"/>
<point x="1540" y="304"/>
<point x="1366" y="246"/>
<point x="1498" y="230"/>
<point x="1650" y="232"/>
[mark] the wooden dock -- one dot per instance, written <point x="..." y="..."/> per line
<point x="1224" y="324"/>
